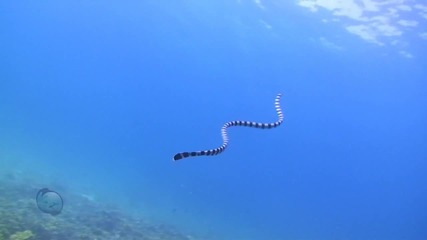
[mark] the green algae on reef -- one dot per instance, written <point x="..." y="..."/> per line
<point x="24" y="235"/>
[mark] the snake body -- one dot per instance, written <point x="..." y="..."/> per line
<point x="216" y="151"/>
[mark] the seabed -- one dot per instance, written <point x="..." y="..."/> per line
<point x="81" y="218"/>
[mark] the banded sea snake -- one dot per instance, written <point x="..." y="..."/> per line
<point x="224" y="134"/>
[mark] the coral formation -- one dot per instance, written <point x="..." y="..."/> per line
<point x="83" y="218"/>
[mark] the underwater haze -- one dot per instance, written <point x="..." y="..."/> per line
<point x="98" y="96"/>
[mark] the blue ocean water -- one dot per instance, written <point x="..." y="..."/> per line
<point x="100" y="95"/>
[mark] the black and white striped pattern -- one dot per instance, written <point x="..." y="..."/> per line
<point x="219" y="150"/>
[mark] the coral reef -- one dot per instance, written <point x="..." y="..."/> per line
<point x="82" y="219"/>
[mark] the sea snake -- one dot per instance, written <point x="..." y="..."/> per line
<point x="224" y="135"/>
